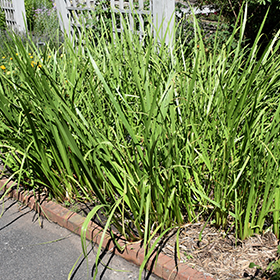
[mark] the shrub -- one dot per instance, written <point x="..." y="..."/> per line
<point x="2" y="20"/>
<point x="29" y="12"/>
<point x="33" y="7"/>
<point x="214" y="30"/>
<point x="256" y="12"/>
<point x="45" y="20"/>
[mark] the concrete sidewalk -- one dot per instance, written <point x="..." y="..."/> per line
<point x="28" y="251"/>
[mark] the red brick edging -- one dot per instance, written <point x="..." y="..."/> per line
<point x="165" y="266"/>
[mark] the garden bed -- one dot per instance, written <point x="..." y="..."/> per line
<point x="157" y="137"/>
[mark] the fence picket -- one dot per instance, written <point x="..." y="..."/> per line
<point x="164" y="19"/>
<point x="162" y="12"/>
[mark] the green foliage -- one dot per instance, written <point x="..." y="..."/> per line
<point x="29" y="12"/>
<point x="42" y="22"/>
<point x="2" y="20"/>
<point x="156" y="136"/>
<point x="214" y="35"/>
<point x="256" y="12"/>
<point x="101" y="12"/>
<point x="46" y="24"/>
<point x="31" y="6"/>
<point x="215" y="31"/>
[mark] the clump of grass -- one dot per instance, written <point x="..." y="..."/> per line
<point x="158" y="136"/>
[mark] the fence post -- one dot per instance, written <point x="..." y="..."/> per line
<point x="20" y="15"/>
<point x="164" y="19"/>
<point x="14" y="13"/>
<point x="63" y="15"/>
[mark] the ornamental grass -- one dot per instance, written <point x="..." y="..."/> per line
<point x="155" y="136"/>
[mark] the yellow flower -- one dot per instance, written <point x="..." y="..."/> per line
<point x="2" y="67"/>
<point x="16" y="53"/>
<point x="11" y="58"/>
<point x="29" y="53"/>
<point x="3" y="57"/>
<point x="31" y="56"/>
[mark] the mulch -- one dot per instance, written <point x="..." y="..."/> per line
<point x="223" y="256"/>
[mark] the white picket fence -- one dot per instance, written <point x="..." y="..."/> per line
<point x="161" y="11"/>
<point x="15" y="14"/>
